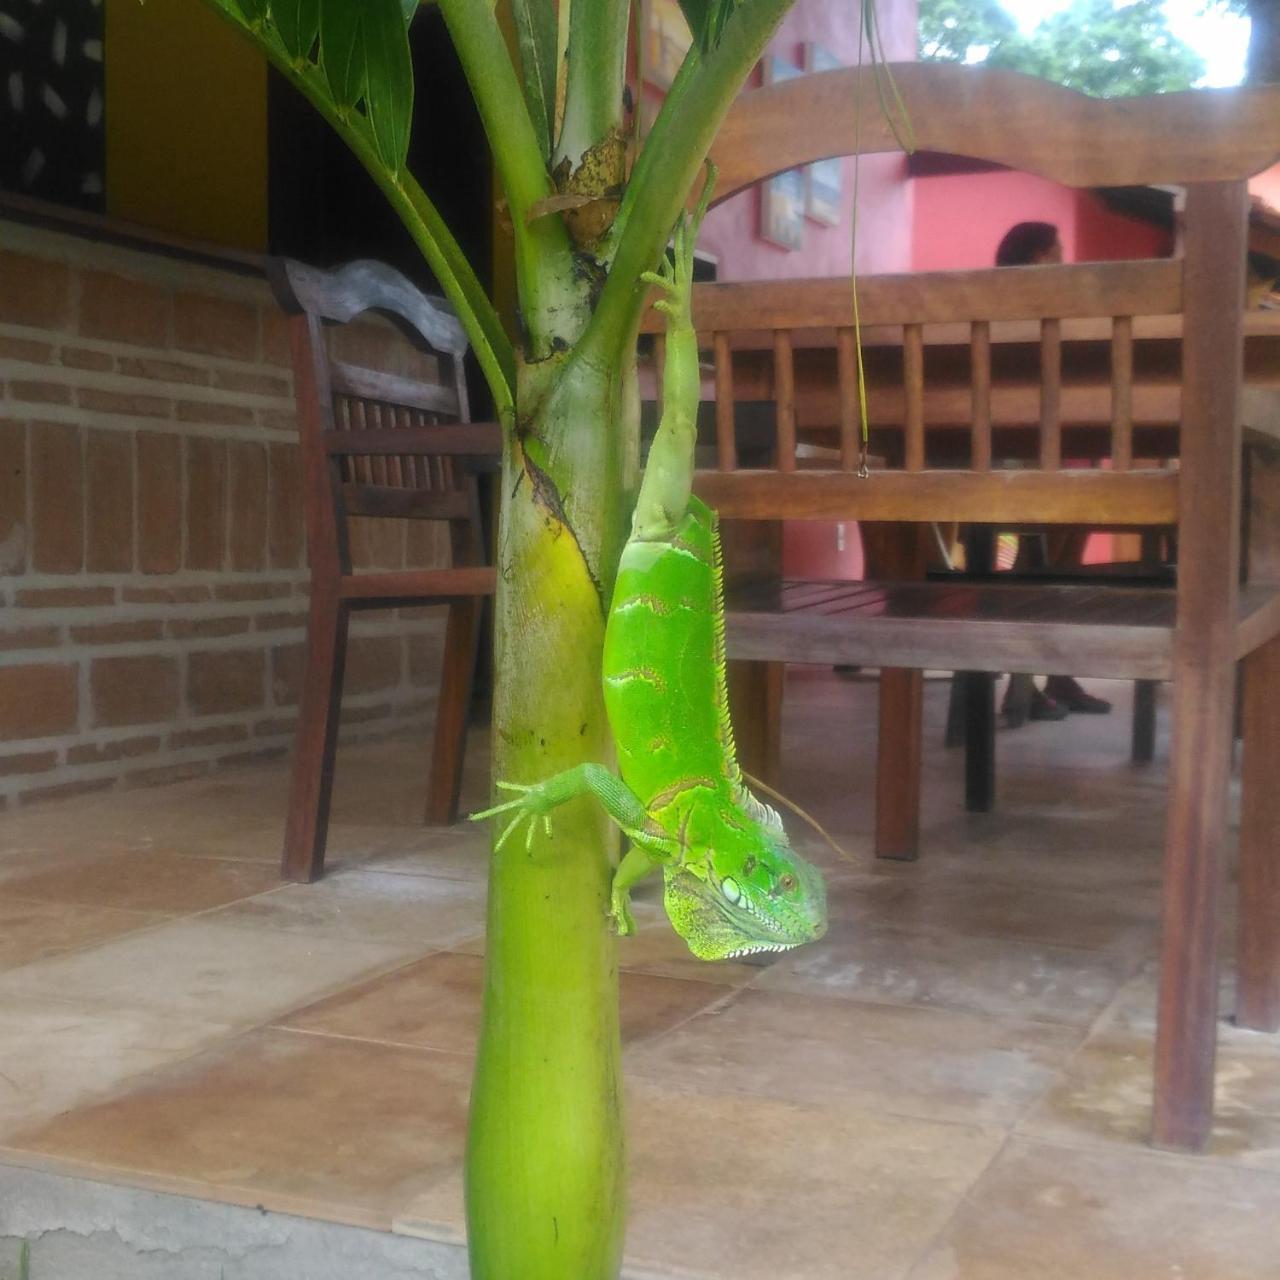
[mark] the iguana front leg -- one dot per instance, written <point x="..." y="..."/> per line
<point x="619" y="802"/>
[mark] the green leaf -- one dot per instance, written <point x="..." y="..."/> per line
<point x="706" y="19"/>
<point x="298" y="22"/>
<point x="364" y="52"/>
<point x="535" y="23"/>
<point x="410" y="8"/>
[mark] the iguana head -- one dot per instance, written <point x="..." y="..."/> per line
<point x="752" y="893"/>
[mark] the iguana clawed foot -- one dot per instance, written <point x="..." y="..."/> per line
<point x="531" y="802"/>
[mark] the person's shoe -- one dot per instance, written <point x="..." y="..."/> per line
<point x="1044" y="707"/>
<point x="1067" y="692"/>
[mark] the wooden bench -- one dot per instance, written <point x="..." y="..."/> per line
<point x="946" y="421"/>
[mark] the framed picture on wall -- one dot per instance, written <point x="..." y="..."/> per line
<point x="824" y="179"/>
<point x="782" y="197"/>
<point x="666" y="40"/>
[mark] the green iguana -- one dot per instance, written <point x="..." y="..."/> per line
<point x="733" y="884"/>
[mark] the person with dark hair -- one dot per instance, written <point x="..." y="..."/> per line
<point x="1030" y="244"/>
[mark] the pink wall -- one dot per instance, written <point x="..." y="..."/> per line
<point x="960" y="219"/>
<point x="731" y="231"/>
<point x="1266" y="185"/>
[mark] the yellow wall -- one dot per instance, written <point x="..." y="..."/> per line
<point x="186" y="123"/>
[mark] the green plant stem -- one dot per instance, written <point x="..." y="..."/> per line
<point x="552" y="302"/>
<point x="667" y="166"/>
<point x="597" y="73"/>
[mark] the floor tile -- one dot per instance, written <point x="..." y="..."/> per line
<point x="435" y="1003"/>
<point x="56" y="1056"/>
<point x="996" y="977"/>
<point x="922" y="1062"/>
<point x="761" y="1189"/>
<point x="1104" y="1096"/>
<point x="154" y="882"/>
<point x="371" y="906"/>
<point x="204" y="971"/>
<point x="340" y="1129"/>
<point x="1056" y="1214"/>
<point x="31" y="931"/>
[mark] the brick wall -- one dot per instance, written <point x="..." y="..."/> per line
<point x="152" y="567"/>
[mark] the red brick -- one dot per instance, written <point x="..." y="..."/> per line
<point x="40" y="392"/>
<point x="275" y="337"/>
<point x="261" y="755"/>
<point x="424" y="652"/>
<point x="275" y="728"/>
<point x="162" y="370"/>
<point x="286" y="674"/>
<point x="214" y="735"/>
<point x="163" y="774"/>
<point x="139" y="689"/>
<point x="165" y="595"/>
<point x="215" y="413"/>
<point x="120" y="749"/>
<point x="426" y="544"/>
<point x="363" y="715"/>
<point x="117" y="632"/>
<point x="38" y="699"/>
<point x="25" y="349"/>
<point x="66" y="597"/>
<point x="220" y="680"/>
<point x="65" y="790"/>
<point x="216" y="326"/>
<point x="124" y="310"/>
<point x="253" y="383"/>
<point x="14" y="534"/>
<point x="28" y="638"/>
<point x="85" y="358"/>
<point x="36" y="292"/>
<point x="247" y="498"/>
<point x="239" y="591"/>
<point x="206" y="502"/>
<point x="186" y="628"/>
<point x="373" y="664"/>
<point x="28" y="762"/>
<point x="285" y="420"/>
<point x="279" y="621"/>
<point x="57" y="498"/>
<point x="285" y="535"/>
<point x="109" y="469"/>
<point x="128" y="403"/>
<point x="159" y="502"/>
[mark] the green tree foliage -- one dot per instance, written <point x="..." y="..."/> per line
<point x="1100" y="47"/>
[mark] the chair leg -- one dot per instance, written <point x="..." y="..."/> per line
<point x="453" y="710"/>
<point x="755" y="701"/>
<point x="955" y="731"/>
<point x="311" y="781"/>
<point x="1258" y="955"/>
<point x="898" y="764"/>
<point x="1186" y="1029"/>
<point x="1142" y="745"/>
<point x="980" y="742"/>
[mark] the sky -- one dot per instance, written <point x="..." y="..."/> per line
<point x="1220" y="38"/>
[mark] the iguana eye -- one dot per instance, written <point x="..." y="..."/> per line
<point x="730" y="890"/>
<point x="788" y="882"/>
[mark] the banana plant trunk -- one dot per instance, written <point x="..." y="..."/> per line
<point x="545" y="1159"/>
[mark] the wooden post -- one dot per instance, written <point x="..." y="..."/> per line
<point x="1258" y="944"/>
<point x="1204" y="661"/>
<point x="755" y="696"/>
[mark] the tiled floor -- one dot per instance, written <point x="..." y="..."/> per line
<point x="953" y="1085"/>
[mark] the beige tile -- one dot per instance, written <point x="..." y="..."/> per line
<point x="1056" y="1214"/>
<point x="31" y="931"/>
<point x="761" y="1189"/>
<point x="420" y="911"/>
<point x="996" y="977"/>
<point x="339" y="1129"/>
<point x="435" y="1003"/>
<point x="204" y="971"/>
<point x="911" y="1061"/>
<point x="54" y="1056"/>
<point x="153" y="882"/>
<point x="1104" y="1096"/>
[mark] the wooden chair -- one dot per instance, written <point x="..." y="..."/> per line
<point x="375" y="444"/>
<point x="944" y="424"/>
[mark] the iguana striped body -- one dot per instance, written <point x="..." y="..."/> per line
<point x="733" y="884"/>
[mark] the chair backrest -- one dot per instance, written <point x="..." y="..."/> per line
<point x="928" y="339"/>
<point x="376" y="443"/>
